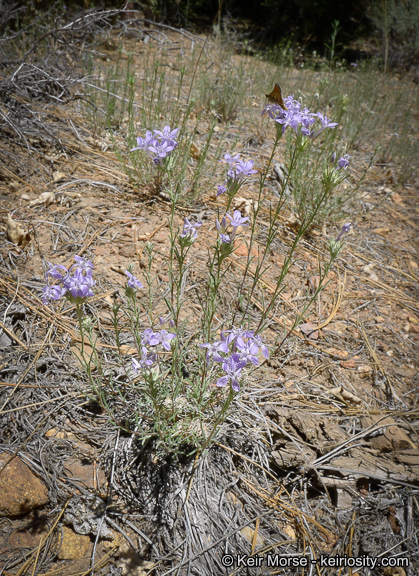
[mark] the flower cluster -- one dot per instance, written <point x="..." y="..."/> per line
<point x="345" y="229"/>
<point x="151" y="338"/>
<point x="335" y="246"/>
<point x="333" y="173"/>
<point x="235" y="221"/>
<point x="300" y="120"/>
<point x="158" y="144"/>
<point x="189" y="234"/>
<point x="76" y="283"/>
<point x="241" y="348"/>
<point x="343" y="162"/>
<point x="237" y="171"/>
<point x="133" y="283"/>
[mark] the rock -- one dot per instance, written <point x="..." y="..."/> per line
<point x="131" y="563"/>
<point x="127" y="251"/>
<point x="99" y="250"/>
<point x="310" y="330"/>
<point x="16" y="234"/>
<point x="84" y="473"/>
<point x="249" y="534"/>
<point x="288" y="530"/>
<point x="160" y="238"/>
<point x="21" y="491"/>
<point x="73" y="546"/>
<point x="240" y="249"/>
<point x="45" y="198"/>
<point x="5" y="340"/>
<point x="58" y="176"/>
<point x="245" y="205"/>
<point x="28" y="537"/>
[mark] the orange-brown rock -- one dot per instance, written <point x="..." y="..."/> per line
<point x="73" y="546"/>
<point x="21" y="491"/>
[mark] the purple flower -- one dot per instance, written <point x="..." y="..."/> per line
<point x="231" y="160"/>
<point x="143" y="143"/>
<point x="221" y="189"/>
<point x="325" y="121"/>
<point x="225" y="238"/>
<point x="147" y="359"/>
<point x="232" y="367"/>
<point x="231" y="174"/>
<point x="189" y="229"/>
<point x="273" y="110"/>
<point x="295" y="117"/>
<point x="289" y="118"/>
<point x="165" y="339"/>
<point x="307" y="132"/>
<point x="221" y="227"/>
<point x="345" y="229"/>
<point x="292" y="104"/>
<point x="82" y="264"/>
<point x="237" y="334"/>
<point x="333" y="158"/>
<point x="237" y="220"/>
<point x="258" y="340"/>
<point x="133" y="281"/>
<point x="214" y="349"/>
<point x="159" y="144"/>
<point x="237" y="171"/>
<point x="233" y="334"/>
<point x="244" y="168"/>
<point x="161" y="149"/>
<point x="79" y="285"/>
<point x="307" y="118"/>
<point x="343" y="162"/>
<point x="150" y="338"/>
<point x="252" y="345"/>
<point x="248" y="351"/>
<point x="51" y="293"/>
<point x="54" y="271"/>
<point x="167" y="134"/>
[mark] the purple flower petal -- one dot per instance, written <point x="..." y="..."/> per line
<point x="223" y="381"/>
<point x="236" y="220"/>
<point x="51" y="293"/>
<point x="133" y="281"/>
<point x="54" y="271"/>
<point x="189" y="229"/>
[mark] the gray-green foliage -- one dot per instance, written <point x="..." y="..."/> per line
<point x="397" y="21"/>
<point x="109" y="90"/>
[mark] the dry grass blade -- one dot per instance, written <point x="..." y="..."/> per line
<point x="379" y="365"/>
<point x="13" y="336"/>
<point x="336" y="305"/>
<point x="37" y="356"/>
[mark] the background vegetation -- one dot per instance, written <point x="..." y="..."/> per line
<point x="386" y="29"/>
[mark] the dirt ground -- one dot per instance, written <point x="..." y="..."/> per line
<point x="321" y="455"/>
